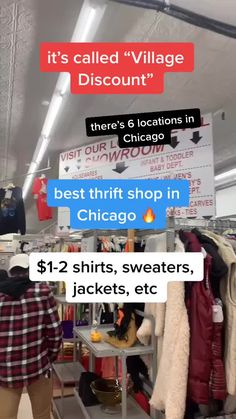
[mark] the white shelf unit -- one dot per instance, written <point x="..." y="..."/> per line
<point x="95" y="412"/>
<point x="67" y="373"/>
<point x="67" y="408"/>
<point x="129" y="408"/>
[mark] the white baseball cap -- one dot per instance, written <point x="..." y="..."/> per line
<point x="21" y="261"/>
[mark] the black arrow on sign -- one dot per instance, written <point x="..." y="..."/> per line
<point x="120" y="167"/>
<point x="196" y="137"/>
<point x="66" y="168"/>
<point x="68" y="227"/>
<point x="61" y="228"/>
<point x="174" y="142"/>
<point x="78" y="164"/>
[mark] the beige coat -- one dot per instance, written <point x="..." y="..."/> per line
<point x="154" y="244"/>
<point x="228" y="295"/>
<point x="171" y="383"/>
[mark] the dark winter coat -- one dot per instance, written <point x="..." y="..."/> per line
<point x="206" y="370"/>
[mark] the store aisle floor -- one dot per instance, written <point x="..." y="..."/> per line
<point x="25" y="408"/>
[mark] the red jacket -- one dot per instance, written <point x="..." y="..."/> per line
<point x="218" y="380"/>
<point x="201" y="338"/>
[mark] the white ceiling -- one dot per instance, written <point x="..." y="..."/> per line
<point x="25" y="23"/>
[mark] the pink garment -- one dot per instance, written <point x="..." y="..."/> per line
<point x="109" y="368"/>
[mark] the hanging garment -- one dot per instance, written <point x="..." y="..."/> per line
<point x="218" y="380"/>
<point x="232" y="241"/>
<point x="105" y="315"/>
<point x="206" y="369"/>
<point x="69" y="313"/>
<point x="219" y="268"/>
<point x="136" y="368"/>
<point x="12" y="211"/>
<point x="171" y="384"/>
<point x="142" y="401"/>
<point x="172" y="329"/>
<point x="124" y="334"/>
<point x="230" y="405"/>
<point x="127" y="340"/>
<point x="199" y="306"/>
<point x="40" y="190"/>
<point x="228" y="295"/>
<point x="108" y="368"/>
<point x="144" y="333"/>
<point x="156" y="243"/>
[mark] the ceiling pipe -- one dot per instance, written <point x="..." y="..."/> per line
<point x="185" y="15"/>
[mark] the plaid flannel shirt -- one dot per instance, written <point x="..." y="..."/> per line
<point x="30" y="336"/>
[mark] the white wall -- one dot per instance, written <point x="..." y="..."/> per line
<point x="226" y="202"/>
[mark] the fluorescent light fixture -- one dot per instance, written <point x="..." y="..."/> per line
<point x="230" y="175"/>
<point x="29" y="178"/>
<point x="225" y="179"/>
<point x="90" y="17"/>
<point x="27" y="185"/>
<point x="37" y="158"/>
<point x="89" y="20"/>
<point x="41" y="149"/>
<point x="63" y="83"/>
<point x="53" y="110"/>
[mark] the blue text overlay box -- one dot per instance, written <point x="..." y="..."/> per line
<point x="118" y="204"/>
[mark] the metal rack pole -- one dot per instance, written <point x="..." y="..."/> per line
<point x="131" y="239"/>
<point x="124" y="387"/>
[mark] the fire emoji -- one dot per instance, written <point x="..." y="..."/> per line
<point x="149" y="217"/>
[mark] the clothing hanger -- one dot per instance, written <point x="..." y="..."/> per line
<point x="10" y="186"/>
<point x="204" y="252"/>
<point x="42" y="176"/>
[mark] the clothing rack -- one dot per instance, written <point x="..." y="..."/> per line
<point x="173" y="225"/>
<point x="26" y="174"/>
<point x="218" y="225"/>
<point x="49" y="228"/>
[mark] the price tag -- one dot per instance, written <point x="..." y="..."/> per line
<point x="218" y="316"/>
<point x="8" y="194"/>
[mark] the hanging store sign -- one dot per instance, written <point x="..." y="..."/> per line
<point x="189" y="156"/>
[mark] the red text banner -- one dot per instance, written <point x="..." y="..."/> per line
<point x="117" y="68"/>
